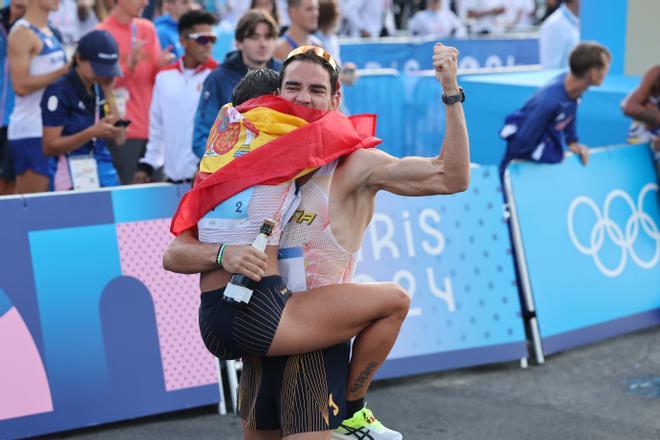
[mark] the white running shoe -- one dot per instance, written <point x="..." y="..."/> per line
<point x="364" y="426"/>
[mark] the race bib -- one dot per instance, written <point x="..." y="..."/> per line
<point x="292" y="268"/>
<point x="228" y="212"/>
<point x="84" y="173"/>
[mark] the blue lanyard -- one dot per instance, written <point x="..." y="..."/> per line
<point x="134" y="35"/>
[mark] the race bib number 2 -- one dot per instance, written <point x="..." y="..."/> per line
<point x="234" y="208"/>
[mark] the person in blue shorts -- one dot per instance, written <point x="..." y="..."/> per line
<point x="36" y="59"/>
<point x="79" y="116"/>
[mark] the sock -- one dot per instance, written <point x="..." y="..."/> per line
<point x="353" y="406"/>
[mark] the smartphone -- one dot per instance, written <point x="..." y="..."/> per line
<point x="122" y="123"/>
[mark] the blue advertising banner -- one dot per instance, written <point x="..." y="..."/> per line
<point x="489" y="98"/>
<point x="452" y="254"/>
<point x="415" y="54"/>
<point x="591" y="244"/>
<point x="92" y="329"/>
<point x="96" y="331"/>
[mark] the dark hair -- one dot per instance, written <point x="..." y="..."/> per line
<point x="247" y="25"/>
<point x="192" y="18"/>
<point x="256" y="82"/>
<point x="586" y="56"/>
<point x="292" y="3"/>
<point x="328" y="14"/>
<point x="312" y="57"/>
<point x="273" y="9"/>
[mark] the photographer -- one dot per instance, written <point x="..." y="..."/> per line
<point x="78" y="119"/>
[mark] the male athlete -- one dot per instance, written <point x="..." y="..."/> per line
<point x="279" y="396"/>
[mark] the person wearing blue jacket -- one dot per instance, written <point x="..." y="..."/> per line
<point x="167" y="25"/>
<point x="256" y="33"/>
<point x="545" y="126"/>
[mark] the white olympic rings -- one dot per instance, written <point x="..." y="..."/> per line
<point x="623" y="238"/>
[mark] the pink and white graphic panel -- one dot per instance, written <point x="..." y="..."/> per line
<point x="22" y="373"/>
<point x="186" y="362"/>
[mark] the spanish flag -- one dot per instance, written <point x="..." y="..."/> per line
<point x="276" y="141"/>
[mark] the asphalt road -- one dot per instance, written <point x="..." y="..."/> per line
<point x="605" y="391"/>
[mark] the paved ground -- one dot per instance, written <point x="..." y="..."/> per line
<point x="606" y="391"/>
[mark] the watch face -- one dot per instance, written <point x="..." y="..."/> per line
<point x="453" y="99"/>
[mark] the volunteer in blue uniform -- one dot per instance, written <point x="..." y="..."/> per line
<point x="545" y="127"/>
<point x="79" y="116"/>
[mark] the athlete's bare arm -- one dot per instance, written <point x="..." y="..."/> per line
<point x="23" y="44"/>
<point x="188" y="256"/>
<point x="447" y="173"/>
<point x="365" y="172"/>
<point x="635" y="104"/>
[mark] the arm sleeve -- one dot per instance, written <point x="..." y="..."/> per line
<point x="571" y="134"/>
<point x="155" y="53"/>
<point x="413" y="25"/>
<point x="207" y="109"/>
<point x="531" y="130"/>
<point x="154" y="153"/>
<point x="54" y="107"/>
<point x="552" y="48"/>
<point x="460" y="30"/>
<point x="163" y="37"/>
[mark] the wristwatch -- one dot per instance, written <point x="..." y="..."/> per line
<point x="453" y="99"/>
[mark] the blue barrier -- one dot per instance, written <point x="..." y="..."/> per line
<point x="380" y="93"/>
<point x="489" y="98"/>
<point x="411" y="115"/>
<point x="96" y="331"/>
<point x="591" y="247"/>
<point x="415" y="54"/>
<point x="452" y="254"/>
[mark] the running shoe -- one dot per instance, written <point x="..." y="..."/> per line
<point x="364" y="426"/>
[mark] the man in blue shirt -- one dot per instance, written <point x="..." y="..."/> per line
<point x="167" y="25"/>
<point x="545" y="126"/>
<point x="255" y="36"/>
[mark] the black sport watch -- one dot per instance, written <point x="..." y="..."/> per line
<point x="453" y="99"/>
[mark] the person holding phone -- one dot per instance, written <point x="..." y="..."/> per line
<point x="79" y="117"/>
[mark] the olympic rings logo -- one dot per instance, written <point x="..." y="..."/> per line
<point x="623" y="238"/>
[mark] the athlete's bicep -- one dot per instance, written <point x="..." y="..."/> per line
<point x="410" y="176"/>
<point x="19" y="54"/>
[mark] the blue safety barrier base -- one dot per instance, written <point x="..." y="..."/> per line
<point x="430" y="363"/>
<point x="590" y="244"/>
<point x="583" y="336"/>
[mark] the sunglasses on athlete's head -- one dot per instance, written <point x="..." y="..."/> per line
<point x="203" y="38"/>
<point x="318" y="51"/>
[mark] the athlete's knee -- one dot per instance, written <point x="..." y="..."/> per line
<point x="400" y="299"/>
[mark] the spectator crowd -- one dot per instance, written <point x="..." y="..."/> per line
<point x="105" y="92"/>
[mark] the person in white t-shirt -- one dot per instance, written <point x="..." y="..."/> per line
<point x="559" y="34"/>
<point x="369" y="18"/>
<point x="437" y="21"/>
<point x="176" y="94"/>
<point x="486" y="16"/>
<point x="520" y="14"/>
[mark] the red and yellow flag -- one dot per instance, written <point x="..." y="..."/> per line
<point x="283" y="140"/>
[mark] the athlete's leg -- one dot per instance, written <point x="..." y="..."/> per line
<point x="328" y="315"/>
<point x="259" y="435"/>
<point x="31" y="182"/>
